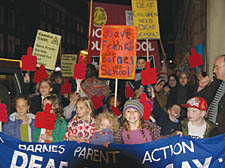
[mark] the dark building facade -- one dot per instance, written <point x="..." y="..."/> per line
<point x="20" y="20"/>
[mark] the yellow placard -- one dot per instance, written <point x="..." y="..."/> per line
<point x="46" y="49"/>
<point x="67" y="64"/>
<point x="145" y="17"/>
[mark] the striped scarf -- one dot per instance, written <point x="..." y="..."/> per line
<point x="213" y="108"/>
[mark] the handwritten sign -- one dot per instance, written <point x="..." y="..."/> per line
<point x="67" y="64"/>
<point x="118" y="52"/>
<point x="46" y="48"/>
<point x="145" y="17"/>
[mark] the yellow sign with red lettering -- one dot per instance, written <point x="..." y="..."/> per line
<point x="118" y="52"/>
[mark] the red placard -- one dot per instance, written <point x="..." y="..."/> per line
<point x="65" y="88"/>
<point x="118" y="52"/>
<point x="3" y="113"/>
<point x="195" y="59"/>
<point x="149" y="75"/>
<point x="80" y="69"/>
<point x="29" y="61"/>
<point x="45" y="119"/>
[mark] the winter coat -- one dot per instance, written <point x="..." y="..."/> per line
<point x="12" y="127"/>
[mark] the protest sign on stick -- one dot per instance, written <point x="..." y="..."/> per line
<point x="79" y="72"/>
<point x="46" y="121"/>
<point x="145" y="17"/>
<point x="118" y="53"/>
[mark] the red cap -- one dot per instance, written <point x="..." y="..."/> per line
<point x="196" y="102"/>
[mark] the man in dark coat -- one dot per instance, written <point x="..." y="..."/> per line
<point x="214" y="93"/>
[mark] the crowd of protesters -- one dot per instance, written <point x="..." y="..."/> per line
<point x="176" y="105"/>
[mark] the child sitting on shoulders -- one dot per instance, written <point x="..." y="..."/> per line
<point x="82" y="127"/>
<point x="106" y="125"/>
<point x="195" y="125"/>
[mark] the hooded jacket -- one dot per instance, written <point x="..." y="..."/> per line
<point x="12" y="127"/>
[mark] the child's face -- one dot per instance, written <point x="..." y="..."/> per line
<point x="183" y="80"/>
<point x="104" y="124"/>
<point x="46" y="101"/>
<point x="174" y="111"/>
<point x="112" y="100"/>
<point x="82" y="110"/>
<point x="159" y="87"/>
<point x="172" y="81"/>
<point x="141" y="64"/>
<point x="132" y="115"/>
<point x="21" y="106"/>
<point x="45" y="89"/>
<point x="195" y="114"/>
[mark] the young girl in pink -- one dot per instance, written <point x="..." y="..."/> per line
<point x="82" y="127"/>
<point x="135" y="130"/>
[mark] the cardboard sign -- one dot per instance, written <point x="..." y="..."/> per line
<point x="67" y="64"/>
<point x="46" y="48"/>
<point x="118" y="52"/>
<point x="145" y="17"/>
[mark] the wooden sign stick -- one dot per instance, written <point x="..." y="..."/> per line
<point x="116" y="87"/>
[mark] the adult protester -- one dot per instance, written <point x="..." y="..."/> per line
<point x="214" y="93"/>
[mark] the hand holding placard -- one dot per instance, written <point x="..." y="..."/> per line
<point x="65" y="88"/>
<point x="29" y="61"/>
<point x="195" y="59"/>
<point x="149" y="75"/>
<point x="3" y="115"/>
<point x="79" y="72"/>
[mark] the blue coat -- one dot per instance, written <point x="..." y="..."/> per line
<point x="12" y="127"/>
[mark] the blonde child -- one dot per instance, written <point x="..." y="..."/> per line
<point x="57" y="134"/>
<point x="195" y="125"/>
<point x="135" y="130"/>
<point x="45" y="89"/>
<point x="20" y="123"/>
<point x="82" y="127"/>
<point x="106" y="125"/>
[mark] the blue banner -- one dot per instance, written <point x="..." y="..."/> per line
<point x="172" y="152"/>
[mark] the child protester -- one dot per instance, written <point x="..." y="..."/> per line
<point x="20" y="123"/>
<point x="45" y="89"/>
<point x="135" y="130"/>
<point x="82" y="127"/>
<point x="195" y="125"/>
<point x="57" y="134"/>
<point x="106" y="125"/>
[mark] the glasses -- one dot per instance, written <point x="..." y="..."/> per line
<point x="216" y="67"/>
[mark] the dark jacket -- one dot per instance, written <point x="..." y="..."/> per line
<point x="36" y="104"/>
<point x="209" y="93"/>
<point x="211" y="129"/>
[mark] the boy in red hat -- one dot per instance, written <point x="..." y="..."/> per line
<point x="195" y="125"/>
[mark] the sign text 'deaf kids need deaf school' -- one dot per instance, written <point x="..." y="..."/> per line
<point x="118" y="52"/>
